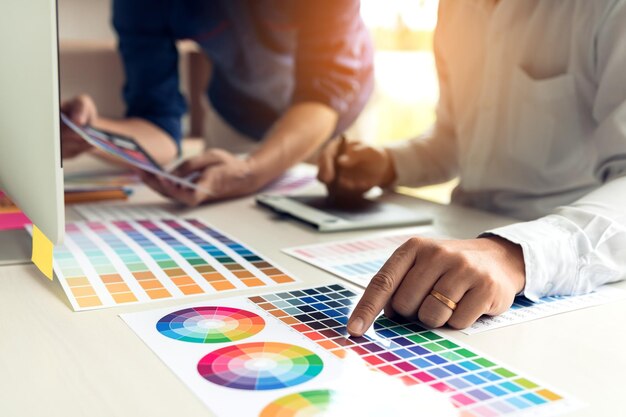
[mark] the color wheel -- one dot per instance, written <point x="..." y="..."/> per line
<point x="300" y="404"/>
<point x="260" y="366"/>
<point x="210" y="324"/>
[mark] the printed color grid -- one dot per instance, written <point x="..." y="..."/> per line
<point x="478" y="386"/>
<point x="103" y="264"/>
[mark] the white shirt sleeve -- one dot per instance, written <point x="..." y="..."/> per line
<point x="583" y="245"/>
<point x="576" y="249"/>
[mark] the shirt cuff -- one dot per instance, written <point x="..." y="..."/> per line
<point x="406" y="161"/>
<point x="550" y="256"/>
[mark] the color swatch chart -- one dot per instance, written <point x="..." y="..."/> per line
<point x="103" y="264"/>
<point x="524" y="310"/>
<point x="304" y="346"/>
<point x="355" y="260"/>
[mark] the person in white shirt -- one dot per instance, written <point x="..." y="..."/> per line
<point x="532" y="118"/>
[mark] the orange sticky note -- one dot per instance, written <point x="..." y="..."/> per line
<point x="42" y="252"/>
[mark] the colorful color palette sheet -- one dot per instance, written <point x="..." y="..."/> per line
<point x="356" y="260"/>
<point x="104" y="264"/>
<point x="303" y="361"/>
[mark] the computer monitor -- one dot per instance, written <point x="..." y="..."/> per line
<point x="30" y="147"/>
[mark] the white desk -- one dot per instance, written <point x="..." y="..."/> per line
<point x="54" y="362"/>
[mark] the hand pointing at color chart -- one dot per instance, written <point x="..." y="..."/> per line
<point x="442" y="282"/>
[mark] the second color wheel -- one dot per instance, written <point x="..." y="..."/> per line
<point x="260" y="366"/>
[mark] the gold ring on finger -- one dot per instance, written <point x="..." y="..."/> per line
<point x="445" y="300"/>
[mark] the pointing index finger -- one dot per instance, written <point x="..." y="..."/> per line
<point x="382" y="287"/>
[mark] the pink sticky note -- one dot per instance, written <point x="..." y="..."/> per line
<point x="11" y="217"/>
<point x="11" y="221"/>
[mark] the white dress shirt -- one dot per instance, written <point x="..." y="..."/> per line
<point x="532" y="117"/>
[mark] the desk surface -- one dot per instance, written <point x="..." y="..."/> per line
<point x="56" y="362"/>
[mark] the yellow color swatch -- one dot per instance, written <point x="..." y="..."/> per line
<point x="42" y="252"/>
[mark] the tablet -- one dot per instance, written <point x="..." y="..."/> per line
<point x="325" y="215"/>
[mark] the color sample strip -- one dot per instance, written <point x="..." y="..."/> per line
<point x="255" y="260"/>
<point x="163" y="260"/>
<point x="307" y="403"/>
<point x="475" y="384"/>
<point x="76" y="279"/>
<point x="107" y="272"/>
<point x="208" y="272"/>
<point x="355" y="260"/>
<point x="260" y="366"/>
<point x="119" y="262"/>
<point x="184" y="282"/>
<point x="140" y="271"/>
